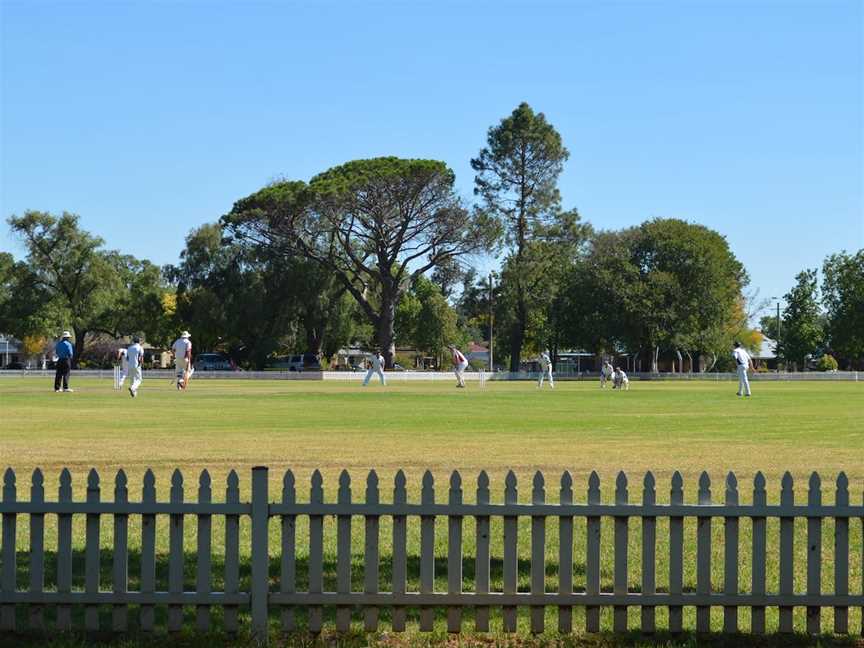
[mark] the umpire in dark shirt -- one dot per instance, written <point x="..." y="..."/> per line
<point x="64" y="352"/>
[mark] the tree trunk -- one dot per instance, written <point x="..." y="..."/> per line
<point x="78" y="349"/>
<point x="690" y="362"/>
<point x="654" y="356"/>
<point x="680" y="361"/>
<point x="517" y="336"/>
<point x="385" y="329"/>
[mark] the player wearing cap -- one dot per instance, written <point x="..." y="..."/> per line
<point x="376" y="367"/>
<point x="743" y="362"/>
<point x="460" y="363"/>
<point x="620" y="380"/>
<point x="64" y="352"/>
<point x="545" y="370"/>
<point x="182" y="349"/>
<point x="135" y="360"/>
<point x="606" y="373"/>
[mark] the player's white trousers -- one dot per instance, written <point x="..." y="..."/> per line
<point x="371" y="373"/>
<point x="459" y="370"/>
<point x="124" y="371"/>
<point x="602" y="380"/>
<point x="743" y="381"/>
<point x="548" y="375"/>
<point x="137" y="376"/>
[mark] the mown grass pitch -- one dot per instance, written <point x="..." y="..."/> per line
<point x="657" y="426"/>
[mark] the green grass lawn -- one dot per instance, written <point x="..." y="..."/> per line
<point x="657" y="426"/>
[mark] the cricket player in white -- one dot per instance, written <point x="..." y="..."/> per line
<point x="124" y="367"/>
<point x="182" y="348"/>
<point x="743" y="362"/>
<point x="377" y="367"/>
<point x="620" y="380"/>
<point x="606" y="373"/>
<point x="135" y="358"/>
<point x="545" y="370"/>
<point x="460" y="363"/>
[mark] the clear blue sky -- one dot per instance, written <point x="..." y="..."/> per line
<point x="150" y="118"/>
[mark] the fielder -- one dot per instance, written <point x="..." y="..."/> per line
<point x="545" y="370"/>
<point x="377" y="367"/>
<point x="620" y="380"/>
<point x="124" y="367"/>
<point x="606" y="373"/>
<point x="460" y="364"/>
<point x="134" y="360"/>
<point x="182" y="349"/>
<point x="743" y="362"/>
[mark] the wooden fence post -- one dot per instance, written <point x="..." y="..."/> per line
<point x="175" y="553"/>
<point x="649" y="547"/>
<point x="759" y="554"/>
<point x="232" y="551"/>
<point x="64" y="552"/>
<point x="676" y="553"/>
<point x="481" y="569"/>
<point x="91" y="553"/>
<point x="288" y="575"/>
<point x="427" y="552"/>
<point x="703" y="555"/>
<point x="203" y="582"/>
<point x="343" y="553"/>
<point x="260" y="553"/>
<point x="511" y="556"/>
<point x="120" y="571"/>
<point x="622" y="536"/>
<point x="538" y="552"/>
<point x="565" y="554"/>
<point x="316" y="552"/>
<point x="730" y="558"/>
<point x="37" y="550"/>
<point x="787" y="555"/>
<point x="454" y="553"/>
<point x="592" y="556"/>
<point x="400" y="551"/>
<point x="7" y="576"/>
<point x="841" y="555"/>
<point x="148" y="551"/>
<point x="814" y="554"/>
<point x="371" y="558"/>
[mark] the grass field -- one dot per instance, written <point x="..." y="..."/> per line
<point x="657" y="426"/>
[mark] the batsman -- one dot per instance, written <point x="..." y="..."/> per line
<point x="182" y="349"/>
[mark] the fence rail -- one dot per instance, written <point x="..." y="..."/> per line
<point x="260" y="598"/>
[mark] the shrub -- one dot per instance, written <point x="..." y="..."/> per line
<point x="827" y="363"/>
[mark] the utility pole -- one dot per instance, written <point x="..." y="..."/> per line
<point x="491" y="355"/>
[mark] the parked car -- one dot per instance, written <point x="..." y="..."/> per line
<point x="212" y="362"/>
<point x="298" y="362"/>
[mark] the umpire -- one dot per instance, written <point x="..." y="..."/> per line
<point x="64" y="352"/>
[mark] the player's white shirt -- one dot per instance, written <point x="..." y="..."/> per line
<point x="545" y="361"/>
<point x="741" y="357"/>
<point x="133" y="353"/>
<point x="377" y="362"/>
<point x="458" y="358"/>
<point x="181" y="347"/>
<point x="122" y="354"/>
<point x="620" y="375"/>
<point x="608" y="370"/>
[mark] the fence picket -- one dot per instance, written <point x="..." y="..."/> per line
<point x="7" y="576"/>
<point x="203" y="581"/>
<point x="787" y="557"/>
<point x="259" y="591"/>
<point x="841" y="555"/>
<point x="649" y="543"/>
<point x="622" y="535"/>
<point x="427" y="551"/>
<point x="481" y="569"/>
<point x="371" y="557"/>
<point x="730" y="558"/>
<point x="91" y="553"/>
<point x="400" y="551"/>
<point x="232" y="552"/>
<point x="703" y="556"/>
<point x="454" y="553"/>
<point x="757" y="612"/>
<point x="175" y="553"/>
<point x="64" y="552"/>
<point x="676" y="553"/>
<point x="565" y="554"/>
<point x="288" y="574"/>
<point x="148" y="551"/>
<point x="316" y="552"/>
<point x="37" y="550"/>
<point x="592" y="556"/>
<point x="511" y="566"/>
<point x="120" y="567"/>
<point x="538" y="553"/>
<point x="814" y="554"/>
<point x="343" y="553"/>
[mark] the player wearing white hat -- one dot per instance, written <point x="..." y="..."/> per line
<point x="620" y="380"/>
<point x="376" y="367"/>
<point x="545" y="369"/>
<point x="460" y="364"/>
<point x="182" y="349"/>
<point x="743" y="362"/>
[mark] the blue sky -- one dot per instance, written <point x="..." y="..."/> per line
<point x="151" y="118"/>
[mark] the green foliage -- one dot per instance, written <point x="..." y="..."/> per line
<point x="801" y="326"/>
<point x="827" y="363"/>
<point x="843" y="297"/>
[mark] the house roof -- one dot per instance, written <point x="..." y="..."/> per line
<point x="476" y="347"/>
<point x="766" y="349"/>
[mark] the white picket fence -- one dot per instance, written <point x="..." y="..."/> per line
<point x="260" y="598"/>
